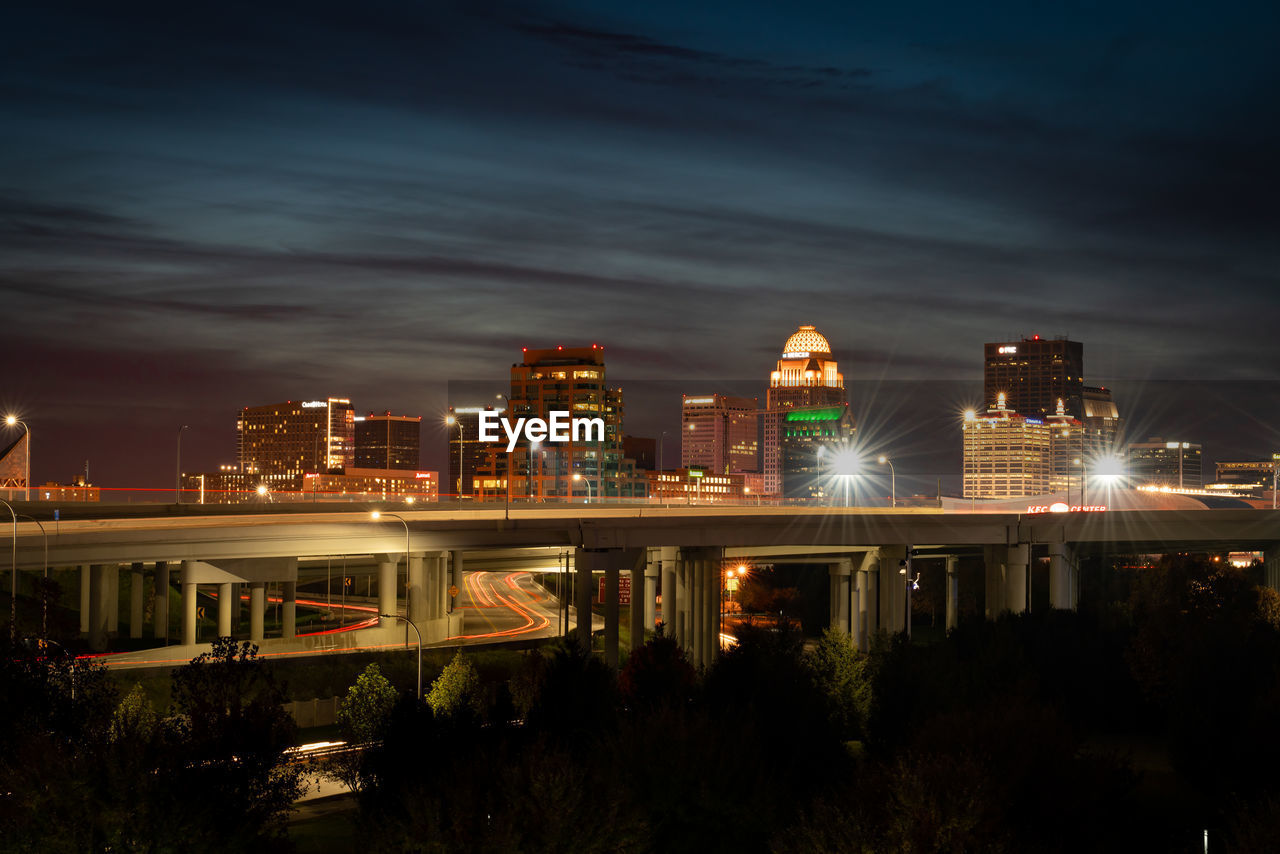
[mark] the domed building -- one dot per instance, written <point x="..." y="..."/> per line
<point x="807" y="374"/>
<point x="807" y="414"/>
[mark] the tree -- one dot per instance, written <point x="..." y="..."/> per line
<point x="456" y="689"/>
<point x="367" y="707"/>
<point x="841" y="673"/>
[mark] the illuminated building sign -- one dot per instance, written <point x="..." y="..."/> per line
<point x="799" y="354"/>
<point x="1008" y="349"/>
<point x="699" y="401"/>
<point x="1066" y="508"/>
<point x="314" y="404"/>
<point x="558" y="428"/>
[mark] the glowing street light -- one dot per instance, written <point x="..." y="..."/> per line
<point x="578" y="476"/>
<point x="13" y="420"/>
<point x="893" y="480"/>
<point x="263" y="492"/>
<point x="453" y="420"/>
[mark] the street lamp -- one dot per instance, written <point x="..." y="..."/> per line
<point x="506" y="514"/>
<point x="13" y="595"/>
<point x="416" y="632"/>
<point x="578" y="476"/>
<point x="376" y="515"/>
<point x="11" y="421"/>
<point x="893" y="480"/>
<point x="177" y="469"/>
<point x="661" y="466"/>
<point x="263" y="492"/>
<point x="453" y="420"/>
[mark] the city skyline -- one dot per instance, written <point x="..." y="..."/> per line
<point x="195" y="216"/>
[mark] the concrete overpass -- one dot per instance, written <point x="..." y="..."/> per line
<point x="683" y="546"/>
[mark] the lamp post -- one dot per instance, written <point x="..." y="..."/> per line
<point x="661" y="463"/>
<point x="453" y="420"/>
<point x="578" y="476"/>
<point x="13" y="594"/>
<point x="419" y="634"/>
<point x="177" y="469"/>
<point x="44" y="592"/>
<point x="893" y="480"/>
<point x="11" y="421"/>
<point x="263" y="492"/>
<point x="506" y="514"/>
<point x="376" y="515"/>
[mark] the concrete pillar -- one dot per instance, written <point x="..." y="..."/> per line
<point x="85" y="573"/>
<point x="387" y="589"/>
<point x="857" y="617"/>
<point x="713" y="580"/>
<point x="289" y="610"/>
<point x="257" y="609"/>
<point x="188" y="585"/>
<point x="839" y="573"/>
<point x="113" y="598"/>
<point x="681" y="596"/>
<point x="652" y="578"/>
<point x="993" y="562"/>
<point x="869" y="598"/>
<point x="99" y="601"/>
<point x="639" y="600"/>
<point x="1060" y="577"/>
<point x="893" y="592"/>
<point x="438" y="587"/>
<point x="670" y="601"/>
<point x="953" y="592"/>
<point x="697" y="609"/>
<point x="611" y="611"/>
<point x="1271" y="562"/>
<point x="224" y="609"/>
<point x="455" y="576"/>
<point x="584" y="564"/>
<point x="135" y="601"/>
<point x="417" y="603"/>
<point x="160" y="607"/>
<point x="1015" y="577"/>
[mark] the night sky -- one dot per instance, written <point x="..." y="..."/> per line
<point x="206" y="207"/>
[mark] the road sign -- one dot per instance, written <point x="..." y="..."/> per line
<point x="624" y="590"/>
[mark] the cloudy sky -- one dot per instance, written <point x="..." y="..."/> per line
<point x="206" y="207"/>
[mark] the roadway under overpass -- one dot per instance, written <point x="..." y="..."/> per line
<point x="683" y="547"/>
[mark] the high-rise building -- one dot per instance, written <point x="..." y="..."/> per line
<point x="1103" y="427"/>
<point x="466" y="451"/>
<point x="719" y="433"/>
<point x="1008" y="455"/>
<point x="1157" y="462"/>
<point x="1033" y="374"/>
<point x="807" y="375"/>
<point x="567" y="380"/>
<point x="296" y="437"/>
<point x="812" y="441"/>
<point x="388" y="441"/>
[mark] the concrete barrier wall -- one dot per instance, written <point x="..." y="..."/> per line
<point x="311" y="713"/>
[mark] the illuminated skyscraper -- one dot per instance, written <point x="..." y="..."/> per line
<point x="296" y="437"/>
<point x="1007" y="455"/>
<point x="806" y="375"/>
<point x="1033" y="374"/>
<point x="719" y="433"/>
<point x="1157" y="462"/>
<point x="388" y="441"/>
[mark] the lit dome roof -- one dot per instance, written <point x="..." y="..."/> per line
<point x="807" y="339"/>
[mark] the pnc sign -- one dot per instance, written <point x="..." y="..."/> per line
<point x="559" y="427"/>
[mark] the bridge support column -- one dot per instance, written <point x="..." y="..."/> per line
<point x="697" y="606"/>
<point x="135" y="601"/>
<point x="701" y="569"/>
<point x="714" y="579"/>
<point x="1017" y="561"/>
<point x="869" y="598"/>
<point x="257" y="610"/>
<point x="611" y="610"/>
<point x="417" y="604"/>
<point x="680" y="605"/>
<point x="993" y="562"/>
<point x="1060" y="572"/>
<point x="953" y="592"/>
<point x="840" y="573"/>
<point x="187" y="582"/>
<point x="387" y="590"/>
<point x="99" y="601"/>
<point x="455" y="576"/>
<point x="1271" y="561"/>
<point x="893" y="589"/>
<point x="585" y="563"/>
<point x="224" y="609"/>
<point x="113" y="598"/>
<point x="86" y="573"/>
<point x="670" y="600"/>
<point x="160" y="602"/>
<point x="652" y="578"/>
<point x="289" y="610"/>
<point x="857" y="616"/>
<point x="640" y="597"/>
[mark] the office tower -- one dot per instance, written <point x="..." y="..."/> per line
<point x="806" y="375"/>
<point x="1103" y="427"/>
<point x="1007" y="455"/>
<point x="466" y="451"/>
<point x="719" y="433"/>
<point x="1157" y="462"/>
<point x="1033" y="374"/>
<point x="296" y="437"/>
<point x="388" y="441"/>
<point x="813" y="444"/>
<point x="571" y="380"/>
